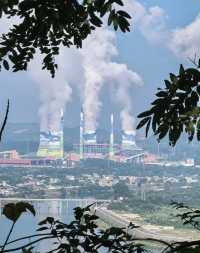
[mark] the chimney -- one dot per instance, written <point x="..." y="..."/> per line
<point x="81" y="134"/>
<point x="62" y="133"/>
<point x="111" y="149"/>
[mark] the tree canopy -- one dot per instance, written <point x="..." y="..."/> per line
<point x="176" y="108"/>
<point x="47" y="25"/>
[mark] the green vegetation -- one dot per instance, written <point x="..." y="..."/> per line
<point x="48" y="25"/>
<point x="80" y="235"/>
<point x="176" y="109"/>
<point x="83" y="234"/>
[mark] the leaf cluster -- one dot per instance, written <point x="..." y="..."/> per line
<point x="80" y="235"/>
<point x="13" y="211"/>
<point x="176" y="108"/>
<point x="47" y="25"/>
<point x="189" y="216"/>
<point x="84" y="235"/>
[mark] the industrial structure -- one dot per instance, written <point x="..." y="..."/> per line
<point x="51" y="149"/>
<point x="111" y="150"/>
<point x="88" y="148"/>
<point x="51" y="143"/>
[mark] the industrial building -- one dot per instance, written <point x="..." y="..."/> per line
<point x="12" y="158"/>
<point x="51" y="149"/>
<point x="89" y="148"/>
<point x="51" y="143"/>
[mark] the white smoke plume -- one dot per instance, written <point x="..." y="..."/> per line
<point x="126" y="80"/>
<point x="97" y="52"/>
<point x="94" y="66"/>
<point x="100" y="68"/>
<point x="54" y="94"/>
<point x="97" y="66"/>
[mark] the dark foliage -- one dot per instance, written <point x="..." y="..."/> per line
<point x="5" y="120"/>
<point x="84" y="235"/>
<point x="80" y="235"/>
<point x="176" y="109"/>
<point x="47" y="25"/>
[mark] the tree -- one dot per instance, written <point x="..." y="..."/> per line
<point x="121" y="190"/>
<point x="47" y="25"/>
<point x="84" y="235"/>
<point x="80" y="235"/>
<point x="176" y="109"/>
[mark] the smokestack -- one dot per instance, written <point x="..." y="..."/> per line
<point x="62" y="133"/>
<point x="111" y="151"/>
<point x="81" y="134"/>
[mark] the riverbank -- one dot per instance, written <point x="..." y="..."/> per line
<point x="165" y="233"/>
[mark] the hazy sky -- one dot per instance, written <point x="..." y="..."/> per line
<point x="164" y="34"/>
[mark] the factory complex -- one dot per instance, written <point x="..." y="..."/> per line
<point x="51" y="149"/>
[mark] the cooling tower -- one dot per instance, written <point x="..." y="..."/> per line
<point x="51" y="143"/>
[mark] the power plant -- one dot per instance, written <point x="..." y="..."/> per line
<point x="89" y="148"/>
<point x="51" y="148"/>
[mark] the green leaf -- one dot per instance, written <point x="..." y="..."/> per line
<point x="167" y="84"/>
<point x="147" y="128"/>
<point x="159" y="101"/>
<point x="5" y="120"/>
<point x="42" y="228"/>
<point x="43" y="222"/>
<point x="96" y="21"/>
<point x="181" y="70"/>
<point x="118" y="2"/>
<point x="163" y="130"/>
<point x="162" y="94"/>
<point x="198" y="130"/>
<point x="124" y="14"/>
<point x="115" y="22"/>
<point x="145" y="114"/>
<point x="110" y="18"/>
<point x="198" y="89"/>
<point x="173" y="77"/>
<point x="50" y="220"/>
<point x="6" y="65"/>
<point x="143" y="122"/>
<point x="14" y="211"/>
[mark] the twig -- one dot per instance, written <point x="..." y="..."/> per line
<point x="26" y="237"/>
<point x="5" y="119"/>
<point x="8" y="236"/>
<point x="29" y="244"/>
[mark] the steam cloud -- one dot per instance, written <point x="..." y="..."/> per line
<point x="54" y="94"/>
<point x="94" y="66"/>
<point x="99" y="68"/>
